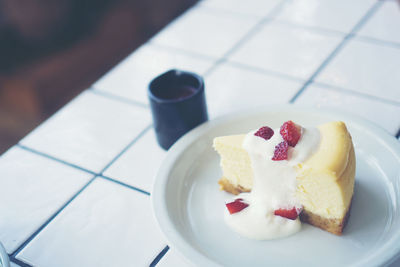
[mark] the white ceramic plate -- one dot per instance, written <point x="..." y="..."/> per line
<point x="189" y="206"/>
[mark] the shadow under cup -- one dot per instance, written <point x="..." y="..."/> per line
<point x="178" y="104"/>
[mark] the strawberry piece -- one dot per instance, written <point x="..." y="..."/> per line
<point x="281" y="151"/>
<point x="290" y="214"/>
<point x="265" y="132"/>
<point x="290" y="132"/>
<point x="236" y="206"/>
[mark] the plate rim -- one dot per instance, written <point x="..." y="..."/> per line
<point x="175" y="240"/>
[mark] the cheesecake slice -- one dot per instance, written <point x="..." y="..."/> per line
<point x="325" y="180"/>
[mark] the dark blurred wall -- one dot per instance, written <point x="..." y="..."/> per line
<point x="50" y="50"/>
<point x="33" y="28"/>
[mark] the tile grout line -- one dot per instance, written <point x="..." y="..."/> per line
<point x="79" y="168"/>
<point x="376" y="41"/>
<point x="326" y="31"/>
<point x="182" y="51"/>
<point x="159" y="256"/>
<point x="312" y="28"/>
<point x="34" y="151"/>
<point x="266" y="72"/>
<point x="49" y="220"/>
<point x="124" y="184"/>
<point x="356" y="93"/>
<point x="339" y="47"/>
<point x="228" y="13"/>
<point x="143" y="132"/>
<point x="269" y="17"/>
<point x="19" y="262"/>
<point x="117" y="98"/>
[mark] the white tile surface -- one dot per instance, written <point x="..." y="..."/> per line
<point x="139" y="164"/>
<point x="255" y="8"/>
<point x="339" y="15"/>
<point x="385" y="24"/>
<point x="287" y="49"/>
<point x="173" y="259"/>
<point x="205" y="31"/>
<point x="131" y="78"/>
<point x="367" y="68"/>
<point x="12" y="264"/>
<point x="110" y="225"/>
<point x="32" y="189"/>
<point x="106" y="225"/>
<point x="381" y="113"/>
<point x="90" y="131"/>
<point x="230" y="88"/>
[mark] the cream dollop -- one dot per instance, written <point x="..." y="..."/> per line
<point x="274" y="186"/>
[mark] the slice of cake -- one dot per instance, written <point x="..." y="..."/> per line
<point x="313" y="175"/>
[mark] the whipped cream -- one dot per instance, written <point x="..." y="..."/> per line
<point x="274" y="186"/>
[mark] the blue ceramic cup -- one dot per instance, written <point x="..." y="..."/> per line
<point x="178" y="104"/>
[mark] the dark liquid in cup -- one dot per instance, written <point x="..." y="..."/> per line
<point x="177" y="92"/>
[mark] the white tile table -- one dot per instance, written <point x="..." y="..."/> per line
<point x="75" y="191"/>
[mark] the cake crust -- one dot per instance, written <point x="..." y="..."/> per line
<point x="334" y="226"/>
<point x="225" y="185"/>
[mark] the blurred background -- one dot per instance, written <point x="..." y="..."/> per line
<point x="51" y="50"/>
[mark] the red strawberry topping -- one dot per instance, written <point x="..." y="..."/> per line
<point x="265" y="132"/>
<point x="236" y="206"/>
<point x="281" y="151"/>
<point x="288" y="213"/>
<point x="290" y="132"/>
